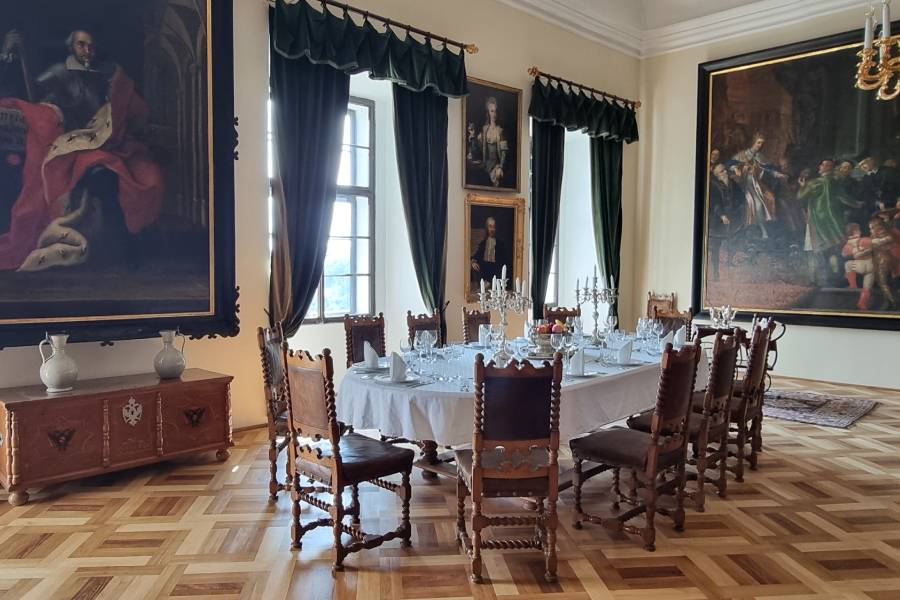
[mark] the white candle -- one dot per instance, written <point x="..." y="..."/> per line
<point x="870" y="27"/>
<point x="503" y="274"/>
<point x="494" y="286"/>
<point x="482" y="287"/>
<point x="577" y="281"/>
<point x="518" y="286"/>
<point x="885" y="19"/>
<point x="595" y="273"/>
<point x="613" y="280"/>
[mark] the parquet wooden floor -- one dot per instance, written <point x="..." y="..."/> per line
<point x="820" y="519"/>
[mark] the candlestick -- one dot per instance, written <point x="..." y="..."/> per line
<point x="885" y="19"/>
<point x="870" y="29"/>
<point x="503" y="301"/>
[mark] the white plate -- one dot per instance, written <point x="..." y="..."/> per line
<point x="387" y="379"/>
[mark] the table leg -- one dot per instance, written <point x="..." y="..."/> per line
<point x="18" y="498"/>
<point x="434" y="464"/>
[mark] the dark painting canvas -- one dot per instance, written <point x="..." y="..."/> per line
<point x="107" y="208"/>
<point x="798" y="188"/>
<point x="491" y="151"/>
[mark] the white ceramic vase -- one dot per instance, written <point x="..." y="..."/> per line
<point x="169" y="362"/>
<point x="58" y="371"/>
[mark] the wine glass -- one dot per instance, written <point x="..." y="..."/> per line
<point x="484" y="333"/>
<point x="496" y="338"/>
<point x="657" y="330"/>
<point x="611" y="322"/>
<point x="557" y="341"/>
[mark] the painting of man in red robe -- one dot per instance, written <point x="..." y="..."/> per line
<point x="105" y="207"/>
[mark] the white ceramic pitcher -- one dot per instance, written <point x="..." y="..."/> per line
<point x="58" y="371"/>
<point x="170" y="362"/>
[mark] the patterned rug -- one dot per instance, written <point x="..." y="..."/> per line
<point x="816" y="409"/>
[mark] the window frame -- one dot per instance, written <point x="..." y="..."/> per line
<point x="354" y="191"/>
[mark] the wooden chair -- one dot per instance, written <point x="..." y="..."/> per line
<point x="673" y="321"/>
<point x="646" y="455"/>
<point x="746" y="405"/>
<point x="425" y="322"/>
<point x="336" y="461"/>
<point x="276" y="403"/>
<point x="710" y="426"/>
<point x="471" y="321"/>
<point x="553" y="314"/>
<point x="361" y="329"/>
<point x="663" y="302"/>
<point x="514" y="454"/>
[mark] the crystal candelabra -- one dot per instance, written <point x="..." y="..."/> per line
<point x="498" y="298"/>
<point x="877" y="67"/>
<point x="596" y="295"/>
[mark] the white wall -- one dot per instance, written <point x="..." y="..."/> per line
<point x="661" y="240"/>
<point x="509" y="41"/>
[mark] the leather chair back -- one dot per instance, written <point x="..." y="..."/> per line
<point x="471" y="321"/>
<point x="560" y="313"/>
<point x="361" y="329"/>
<point x="311" y="400"/>
<point x="721" y="377"/>
<point x="424" y="322"/>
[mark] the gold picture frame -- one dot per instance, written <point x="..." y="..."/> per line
<point x="508" y="99"/>
<point x="508" y="214"/>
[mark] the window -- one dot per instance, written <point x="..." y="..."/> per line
<point x="552" y="296"/>
<point x="347" y="285"/>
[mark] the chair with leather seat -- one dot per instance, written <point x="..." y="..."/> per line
<point x="472" y="319"/>
<point x="333" y="461"/>
<point x="710" y="426"/>
<point x="361" y="329"/>
<point x="560" y="313"/>
<point x="269" y="341"/>
<point x="648" y="455"/>
<point x="515" y="451"/>
<point x="424" y="322"/>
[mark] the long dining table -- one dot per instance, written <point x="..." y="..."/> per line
<point x="439" y="413"/>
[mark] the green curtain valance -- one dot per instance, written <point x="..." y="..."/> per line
<point x="599" y="118"/>
<point x="325" y="38"/>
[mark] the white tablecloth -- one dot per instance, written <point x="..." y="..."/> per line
<point x="440" y="412"/>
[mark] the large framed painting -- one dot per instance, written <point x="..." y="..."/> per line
<point x="798" y="188"/>
<point x="117" y="142"/>
<point x="494" y="239"/>
<point x="491" y="118"/>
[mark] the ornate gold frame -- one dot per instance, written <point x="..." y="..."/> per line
<point x="519" y="256"/>
<point x="505" y="88"/>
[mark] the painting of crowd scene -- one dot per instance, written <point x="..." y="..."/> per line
<point x="802" y="207"/>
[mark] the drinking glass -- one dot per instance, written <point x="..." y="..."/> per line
<point x="657" y="330"/>
<point x="496" y="337"/>
<point x="611" y="322"/>
<point x="557" y="341"/>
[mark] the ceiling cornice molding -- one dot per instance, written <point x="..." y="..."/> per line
<point x="623" y="38"/>
<point x="742" y="20"/>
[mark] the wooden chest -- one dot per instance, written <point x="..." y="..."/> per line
<point x="108" y="425"/>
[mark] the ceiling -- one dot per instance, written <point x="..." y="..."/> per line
<point x="648" y="27"/>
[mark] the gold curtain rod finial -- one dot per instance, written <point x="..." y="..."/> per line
<point x="471" y="48"/>
<point x="534" y="71"/>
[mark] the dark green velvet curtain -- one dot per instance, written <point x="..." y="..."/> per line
<point x="313" y="53"/>
<point x="301" y="30"/>
<point x="309" y="103"/>
<point x="610" y="126"/>
<point x="547" y="152"/>
<point x="606" y="204"/>
<point x="420" y="128"/>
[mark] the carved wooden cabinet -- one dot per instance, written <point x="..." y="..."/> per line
<point x="107" y="425"/>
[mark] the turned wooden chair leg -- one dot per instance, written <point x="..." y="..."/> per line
<point x="296" y="530"/>
<point x="354" y="507"/>
<point x="461" y="493"/>
<point x="337" y="516"/>
<point x="741" y="442"/>
<point x="476" y="540"/>
<point x="550" y="524"/>
<point x="576" y="488"/>
<point x="406" y="489"/>
<point x="723" y="465"/>
<point x="755" y="440"/>
<point x="702" y="459"/>
<point x="649" y="532"/>
<point x="540" y="528"/>
<point x="617" y="489"/>
<point x="678" y="516"/>
<point x="274" y="486"/>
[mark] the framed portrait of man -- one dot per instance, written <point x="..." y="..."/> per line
<point x="117" y="142"/>
<point x="798" y="189"/>
<point x="491" y="121"/>
<point x="495" y="238"/>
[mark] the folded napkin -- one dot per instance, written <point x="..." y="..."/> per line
<point x="484" y="335"/>
<point x="680" y="337"/>
<point x="667" y="339"/>
<point x="398" y="368"/>
<point x="624" y="353"/>
<point x="576" y="363"/>
<point x="370" y="357"/>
